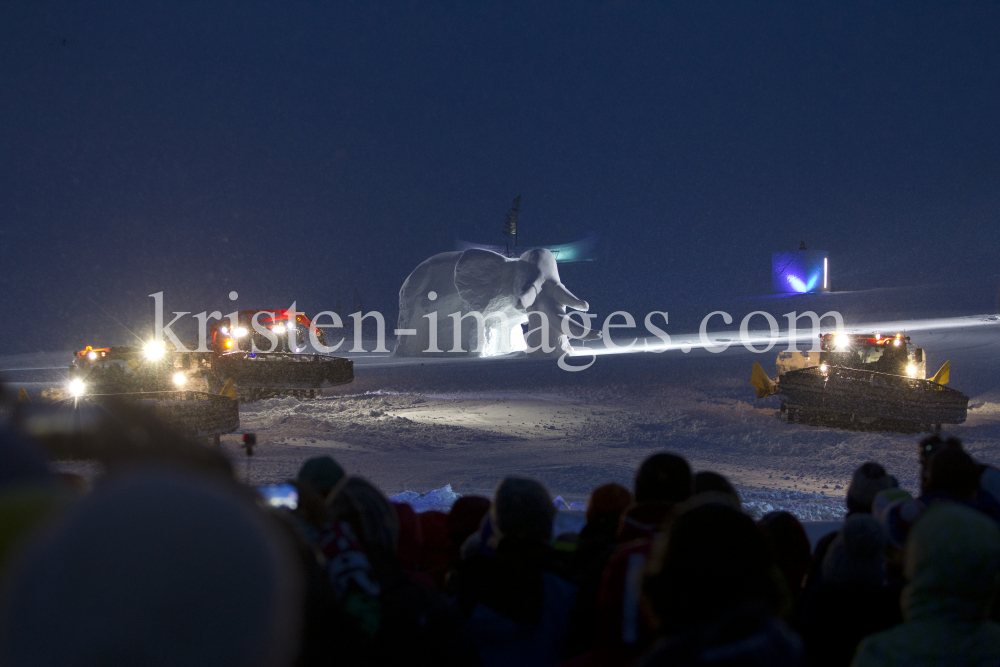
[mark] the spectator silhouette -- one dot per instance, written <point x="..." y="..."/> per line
<point x="594" y="546"/>
<point x="516" y="605"/>
<point x="156" y="567"/>
<point x="321" y="473"/>
<point x="866" y="483"/>
<point x="791" y="553"/>
<point x="711" y="587"/>
<point x="951" y="562"/>
<point x="415" y="624"/>
<point x="707" y="481"/>
<point x="854" y="599"/>
<point x="623" y="630"/>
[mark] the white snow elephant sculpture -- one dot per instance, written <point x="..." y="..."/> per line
<point x="456" y="288"/>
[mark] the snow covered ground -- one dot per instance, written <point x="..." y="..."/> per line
<point x="417" y="425"/>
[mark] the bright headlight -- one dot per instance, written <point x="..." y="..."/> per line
<point x="841" y="341"/>
<point x="153" y="350"/>
<point x="824" y="368"/>
<point x="180" y="379"/>
<point x="279" y="329"/>
<point x="240" y="332"/>
<point x="911" y="370"/>
<point x="897" y="342"/>
<point x="76" y="387"/>
<point x="92" y="356"/>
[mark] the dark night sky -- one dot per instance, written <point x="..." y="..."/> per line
<point x="296" y="151"/>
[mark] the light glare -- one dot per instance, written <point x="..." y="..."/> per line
<point x="154" y="350"/>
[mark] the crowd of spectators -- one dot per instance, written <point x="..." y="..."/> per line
<point x="167" y="559"/>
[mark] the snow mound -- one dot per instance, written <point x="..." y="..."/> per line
<point x="440" y="500"/>
<point x="803" y="506"/>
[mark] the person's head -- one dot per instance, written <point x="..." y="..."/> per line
<point x="322" y="473"/>
<point x="707" y="481"/>
<point x="465" y="517"/>
<point x="951" y="559"/>
<point x="373" y="518"/>
<point x="608" y="501"/>
<point x="663" y="478"/>
<point x="156" y="566"/>
<point x="711" y="560"/>
<point x="933" y="444"/>
<point x="930" y="446"/>
<point x="866" y="483"/>
<point x="789" y="547"/>
<point x="522" y="509"/>
<point x="951" y="472"/>
<point x="855" y="555"/>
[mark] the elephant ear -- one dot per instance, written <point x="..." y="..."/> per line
<point x="481" y="276"/>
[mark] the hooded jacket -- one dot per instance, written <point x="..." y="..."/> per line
<point x="951" y="563"/>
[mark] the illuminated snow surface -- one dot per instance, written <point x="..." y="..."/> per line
<point x="419" y="425"/>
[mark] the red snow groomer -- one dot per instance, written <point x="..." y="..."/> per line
<point x="275" y="331"/>
<point x="865" y="381"/>
<point x="246" y="362"/>
<point x="268" y="352"/>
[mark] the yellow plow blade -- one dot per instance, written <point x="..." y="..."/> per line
<point x="229" y="390"/>
<point x="943" y="375"/>
<point x="760" y="380"/>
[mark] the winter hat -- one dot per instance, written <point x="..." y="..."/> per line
<point x="867" y="481"/>
<point x="608" y="500"/>
<point x="663" y="478"/>
<point x="855" y="555"/>
<point x="522" y="508"/>
<point x="322" y="473"/>
<point x="156" y="567"/>
<point x="885" y="498"/>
